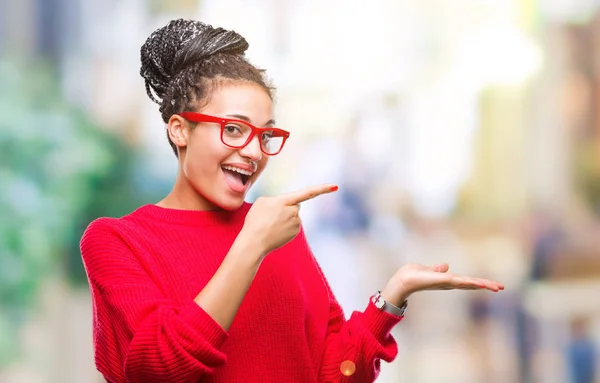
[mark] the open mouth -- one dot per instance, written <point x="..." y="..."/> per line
<point x="237" y="175"/>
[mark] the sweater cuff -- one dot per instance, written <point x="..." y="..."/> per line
<point x="202" y="322"/>
<point x="379" y="322"/>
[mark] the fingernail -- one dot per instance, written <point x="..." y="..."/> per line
<point x="334" y="188"/>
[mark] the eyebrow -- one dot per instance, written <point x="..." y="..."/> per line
<point x="245" y="118"/>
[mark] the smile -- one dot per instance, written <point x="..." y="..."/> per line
<point x="244" y="174"/>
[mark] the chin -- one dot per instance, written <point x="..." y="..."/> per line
<point x="228" y="199"/>
<point x="230" y="203"/>
<point x="221" y="197"/>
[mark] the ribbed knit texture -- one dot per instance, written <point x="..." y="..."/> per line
<point x="146" y="268"/>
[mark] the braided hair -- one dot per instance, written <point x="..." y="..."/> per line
<point x="184" y="61"/>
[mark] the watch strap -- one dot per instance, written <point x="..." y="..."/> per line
<point x="383" y="305"/>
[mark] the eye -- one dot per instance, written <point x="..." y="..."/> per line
<point x="266" y="136"/>
<point x="232" y="129"/>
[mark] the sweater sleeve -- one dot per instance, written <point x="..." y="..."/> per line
<point x="140" y="335"/>
<point x="355" y="347"/>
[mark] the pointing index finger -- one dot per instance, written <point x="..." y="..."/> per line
<point x="300" y="196"/>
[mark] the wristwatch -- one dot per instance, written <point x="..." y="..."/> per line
<point x="386" y="306"/>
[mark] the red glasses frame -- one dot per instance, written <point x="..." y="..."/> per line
<point x="199" y="117"/>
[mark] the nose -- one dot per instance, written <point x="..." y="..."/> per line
<point x="252" y="151"/>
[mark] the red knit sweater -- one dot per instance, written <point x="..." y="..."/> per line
<point x="146" y="268"/>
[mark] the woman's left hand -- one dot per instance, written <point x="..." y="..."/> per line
<point x="413" y="277"/>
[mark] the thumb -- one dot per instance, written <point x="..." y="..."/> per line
<point x="441" y="268"/>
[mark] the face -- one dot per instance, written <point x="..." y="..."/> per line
<point x="209" y="170"/>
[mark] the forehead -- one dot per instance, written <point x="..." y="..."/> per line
<point x="244" y="98"/>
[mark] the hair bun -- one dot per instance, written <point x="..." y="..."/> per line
<point x="179" y="44"/>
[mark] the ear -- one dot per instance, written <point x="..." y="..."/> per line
<point x="178" y="129"/>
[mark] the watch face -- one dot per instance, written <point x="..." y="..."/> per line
<point x="378" y="301"/>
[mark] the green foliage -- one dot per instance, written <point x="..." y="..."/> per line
<point x="58" y="171"/>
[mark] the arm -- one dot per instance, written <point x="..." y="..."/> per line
<point x="140" y="334"/>
<point x="354" y="348"/>
<point x="359" y="343"/>
<point x="240" y="265"/>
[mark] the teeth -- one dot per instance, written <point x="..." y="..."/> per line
<point x="234" y="169"/>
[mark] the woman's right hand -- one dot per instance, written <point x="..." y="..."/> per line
<point x="274" y="221"/>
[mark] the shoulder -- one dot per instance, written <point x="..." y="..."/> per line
<point x="108" y="248"/>
<point x="104" y="228"/>
<point x="106" y="234"/>
<point x="100" y="235"/>
<point x="101" y="229"/>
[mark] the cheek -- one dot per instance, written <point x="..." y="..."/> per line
<point x="194" y="168"/>
<point x="201" y="164"/>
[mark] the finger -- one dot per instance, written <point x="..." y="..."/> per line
<point x="441" y="268"/>
<point x="467" y="283"/>
<point x="300" y="196"/>
<point x="489" y="284"/>
<point x="295" y="210"/>
<point x="496" y="286"/>
<point x="485" y="284"/>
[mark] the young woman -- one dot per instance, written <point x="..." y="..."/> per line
<point x="204" y="287"/>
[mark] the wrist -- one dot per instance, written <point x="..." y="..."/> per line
<point x="394" y="293"/>
<point x="248" y="247"/>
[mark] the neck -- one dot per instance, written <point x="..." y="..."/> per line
<point x="183" y="196"/>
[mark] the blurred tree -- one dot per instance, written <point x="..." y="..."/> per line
<point x="587" y="173"/>
<point x="58" y="171"/>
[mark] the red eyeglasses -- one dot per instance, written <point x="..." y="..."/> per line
<point x="238" y="133"/>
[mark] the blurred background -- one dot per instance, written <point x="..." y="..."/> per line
<point x="463" y="131"/>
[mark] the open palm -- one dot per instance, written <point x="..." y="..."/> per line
<point x="415" y="277"/>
